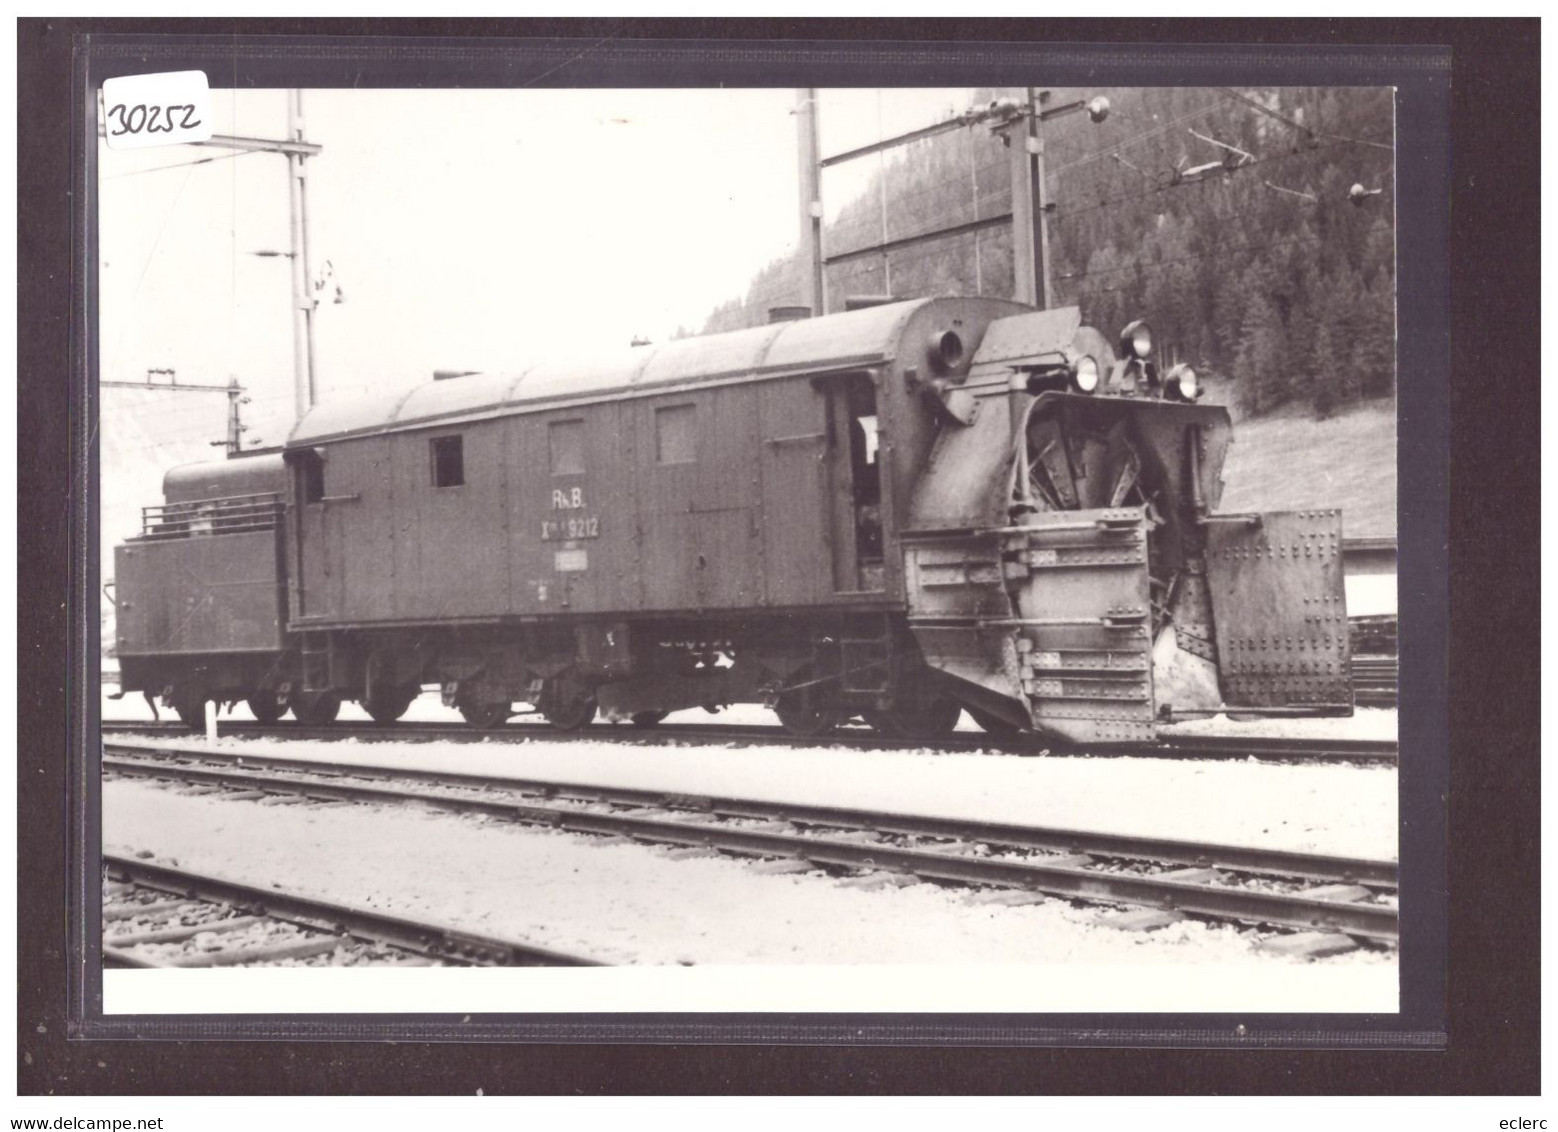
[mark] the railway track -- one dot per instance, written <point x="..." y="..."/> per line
<point x="158" y="915"/>
<point x="518" y="731"/>
<point x="1345" y="899"/>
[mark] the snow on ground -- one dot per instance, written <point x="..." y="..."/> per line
<point x="626" y="903"/>
<point x="1364" y="723"/>
<point x="1344" y="810"/>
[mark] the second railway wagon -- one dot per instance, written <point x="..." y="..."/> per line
<point x="896" y="513"/>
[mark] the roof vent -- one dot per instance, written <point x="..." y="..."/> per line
<point x="788" y="314"/>
<point x="446" y="374"/>
<point x="861" y="302"/>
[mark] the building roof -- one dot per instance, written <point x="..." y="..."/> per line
<point x="863" y="337"/>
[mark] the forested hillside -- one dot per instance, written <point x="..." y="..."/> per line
<point x="1264" y="272"/>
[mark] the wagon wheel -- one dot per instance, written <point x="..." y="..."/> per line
<point x="570" y="714"/>
<point x="266" y="706"/>
<point x="387" y="703"/>
<point x="800" y="712"/>
<point x="647" y="719"/>
<point x="931" y="720"/>
<point x="803" y="719"/>
<point x="485" y="716"/>
<point x="316" y="708"/>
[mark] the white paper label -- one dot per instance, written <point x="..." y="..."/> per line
<point x="140" y="111"/>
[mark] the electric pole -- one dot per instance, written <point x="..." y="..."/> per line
<point x="1021" y="127"/>
<point x="811" y="197"/>
<point x="302" y="301"/>
<point x="1025" y="147"/>
<point x="235" y="400"/>
<point x="235" y="425"/>
<point x="1030" y="208"/>
<point x="297" y="151"/>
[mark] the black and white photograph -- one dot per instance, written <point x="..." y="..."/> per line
<point x="918" y="549"/>
<point x="987" y="559"/>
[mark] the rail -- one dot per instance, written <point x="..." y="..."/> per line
<point x="1279" y="888"/>
<point x="336" y="921"/>
<point x="1360" y="751"/>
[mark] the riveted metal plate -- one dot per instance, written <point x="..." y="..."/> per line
<point x="1132" y="692"/>
<point x="1195" y="639"/>
<point x="1088" y="660"/>
<point x="1280" y="610"/>
<point x="1084" y="647"/>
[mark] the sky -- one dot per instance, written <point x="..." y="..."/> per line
<point x="465" y="229"/>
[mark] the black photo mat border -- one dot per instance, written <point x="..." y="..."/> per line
<point x="1472" y="742"/>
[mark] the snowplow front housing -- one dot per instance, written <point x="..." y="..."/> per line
<point x="1072" y="576"/>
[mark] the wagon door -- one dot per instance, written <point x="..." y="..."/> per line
<point x="317" y="545"/>
<point x="795" y="514"/>
<point x="668" y="462"/>
<point x="358" y="514"/>
<point x="822" y="488"/>
<point x="724" y="499"/>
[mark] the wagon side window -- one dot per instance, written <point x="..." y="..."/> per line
<point x="566" y="441"/>
<point x="675" y="438"/>
<point x="448" y="454"/>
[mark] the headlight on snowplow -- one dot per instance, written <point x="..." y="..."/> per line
<point x="1084" y="374"/>
<point x="1182" y="384"/>
<point x="1136" y="339"/>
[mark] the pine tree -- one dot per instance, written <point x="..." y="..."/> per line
<point x="1375" y="353"/>
<point x="1293" y="298"/>
<point x="1228" y="304"/>
<point x="1261" y="365"/>
<point x="1379" y="252"/>
<point x="1343" y="311"/>
<point x="1328" y="378"/>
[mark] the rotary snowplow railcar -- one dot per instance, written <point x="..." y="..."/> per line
<point x="896" y="513"/>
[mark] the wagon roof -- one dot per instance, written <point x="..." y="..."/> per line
<point x="863" y="337"/>
<point x="222" y="479"/>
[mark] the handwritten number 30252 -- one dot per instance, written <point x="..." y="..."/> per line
<point x="139" y="118"/>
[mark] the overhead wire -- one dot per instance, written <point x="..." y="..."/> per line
<point x="956" y="213"/>
<point x="151" y="255"/>
<point x="1312" y="132"/>
<point x="1221" y="246"/>
<point x="908" y="258"/>
<point x="1148" y="135"/>
<point x="1162" y="264"/>
<point x="178" y="165"/>
<point x="1158" y="190"/>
